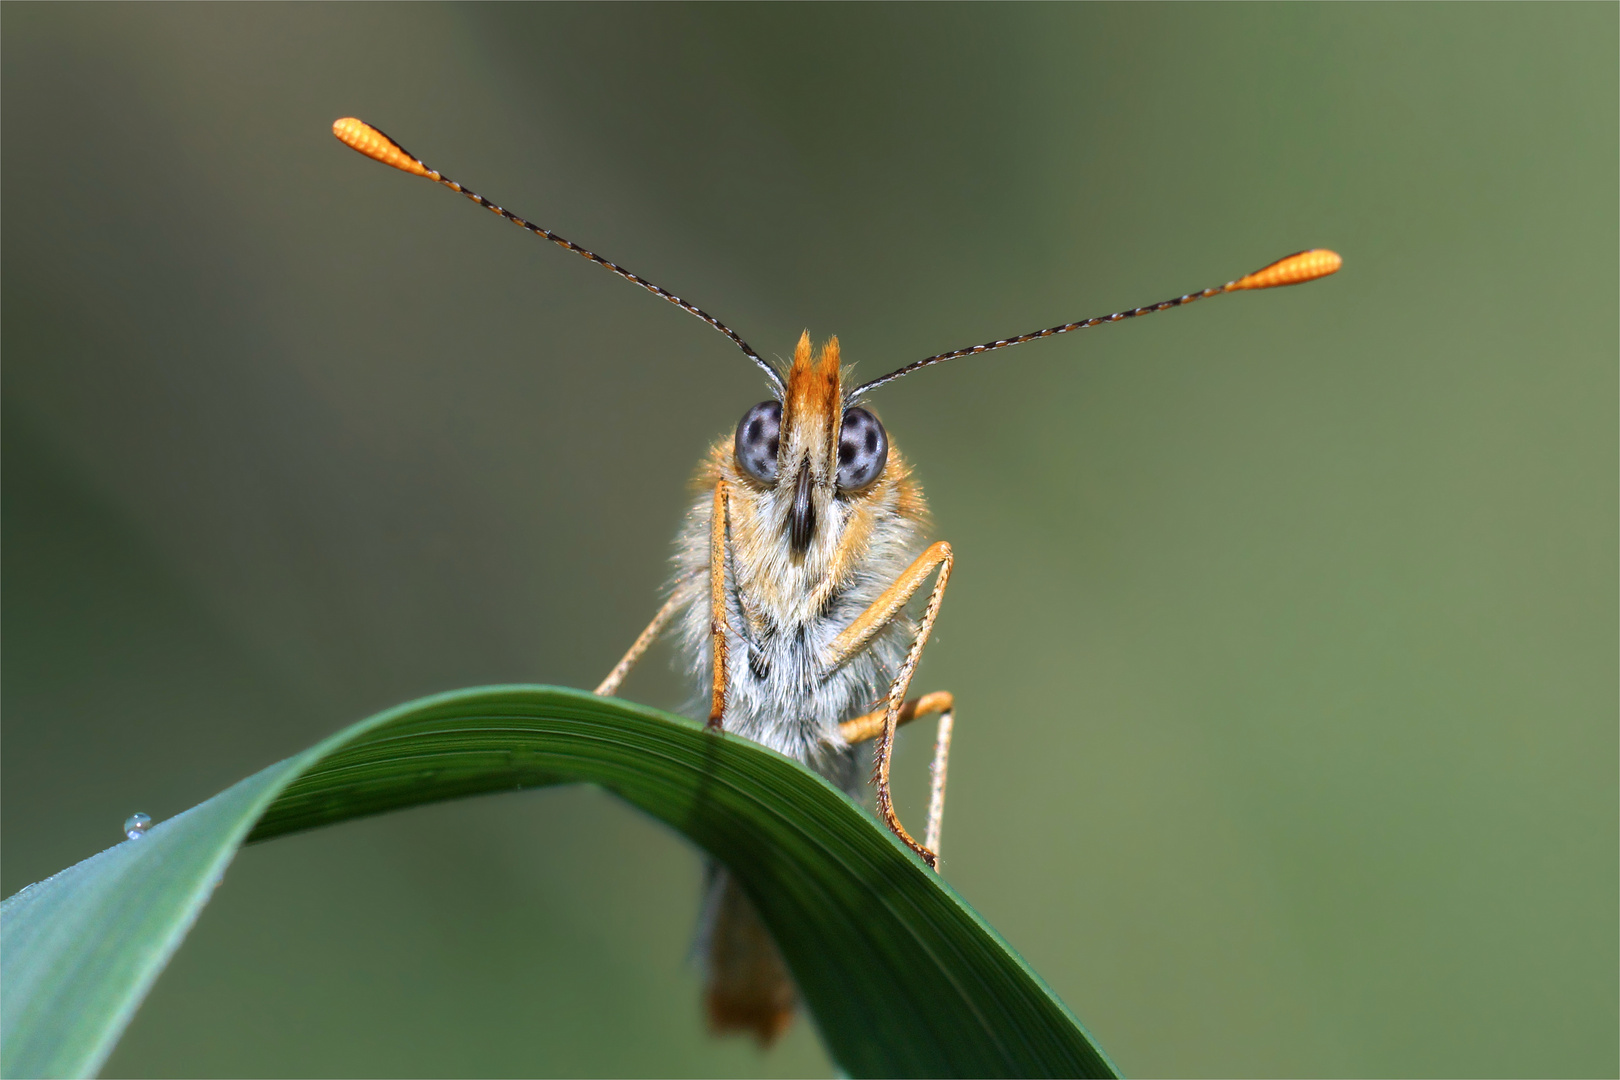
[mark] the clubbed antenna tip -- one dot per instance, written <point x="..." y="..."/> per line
<point x="1296" y="269"/>
<point x="361" y="136"/>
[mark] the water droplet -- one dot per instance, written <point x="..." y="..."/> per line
<point x="135" y="826"/>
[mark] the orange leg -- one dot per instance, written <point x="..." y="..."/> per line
<point x="717" y="604"/>
<point x="860" y="633"/>
<point x="717" y="618"/>
<point x="871" y="725"/>
<point x="610" y="685"/>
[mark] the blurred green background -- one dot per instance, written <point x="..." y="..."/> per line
<point x="1283" y="628"/>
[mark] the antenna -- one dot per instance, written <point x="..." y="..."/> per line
<point x="1297" y="268"/>
<point x="361" y="136"/>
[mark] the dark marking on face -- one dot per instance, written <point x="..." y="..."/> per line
<point x="802" y="517"/>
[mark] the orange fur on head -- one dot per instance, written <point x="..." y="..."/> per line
<point x="815" y="400"/>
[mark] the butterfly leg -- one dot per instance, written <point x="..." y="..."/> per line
<point x="717" y="617"/>
<point x="860" y="633"/>
<point x="610" y="685"/>
<point x="717" y="604"/>
<point x="870" y="726"/>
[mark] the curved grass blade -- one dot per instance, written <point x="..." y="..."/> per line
<point x="902" y="976"/>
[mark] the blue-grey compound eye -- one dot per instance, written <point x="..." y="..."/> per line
<point x="863" y="450"/>
<point x="759" y="436"/>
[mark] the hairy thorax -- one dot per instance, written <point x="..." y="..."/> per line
<point x="784" y="608"/>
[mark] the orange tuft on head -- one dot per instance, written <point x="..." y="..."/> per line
<point x="361" y="136"/>
<point x="827" y="362"/>
<point x="814" y="389"/>
<point x="801" y="353"/>
<point x="1297" y="268"/>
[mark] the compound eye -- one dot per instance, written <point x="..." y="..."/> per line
<point x="759" y="436"/>
<point x="863" y="450"/>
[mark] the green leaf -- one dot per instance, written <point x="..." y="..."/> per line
<point x="902" y="976"/>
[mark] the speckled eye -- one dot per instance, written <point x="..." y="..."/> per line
<point x="863" y="450"/>
<point x="759" y="435"/>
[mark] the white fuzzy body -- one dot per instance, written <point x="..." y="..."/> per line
<point x="784" y="610"/>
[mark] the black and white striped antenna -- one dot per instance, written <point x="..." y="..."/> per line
<point x="374" y="144"/>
